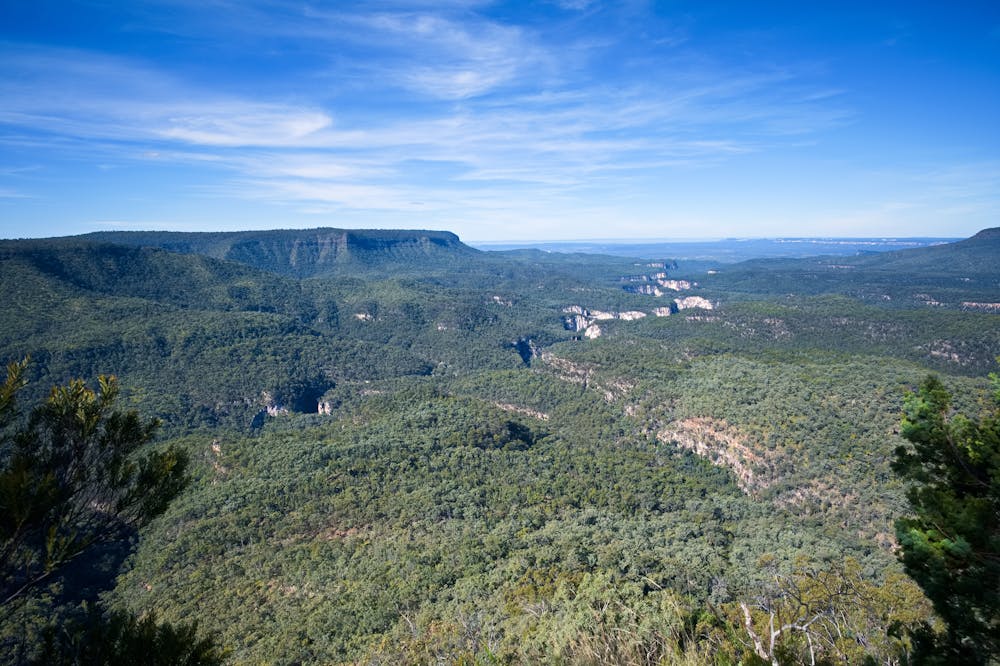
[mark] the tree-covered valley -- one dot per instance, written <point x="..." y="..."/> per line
<point x="401" y="449"/>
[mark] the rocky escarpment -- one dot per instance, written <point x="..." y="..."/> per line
<point x="658" y="285"/>
<point x="646" y="289"/>
<point x="689" y="302"/>
<point x="578" y="319"/>
<point x="305" y="252"/>
<point x="586" y="375"/>
<point x="724" y="446"/>
<point x="988" y="307"/>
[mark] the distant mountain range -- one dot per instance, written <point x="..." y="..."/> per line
<point x="963" y="271"/>
<point x="978" y="254"/>
<point x="725" y="251"/>
<point x="302" y="253"/>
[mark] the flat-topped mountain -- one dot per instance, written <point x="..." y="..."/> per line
<point x="305" y="252"/>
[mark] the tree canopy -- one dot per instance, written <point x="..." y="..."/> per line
<point x="77" y="475"/>
<point x="74" y="474"/>
<point x="951" y="546"/>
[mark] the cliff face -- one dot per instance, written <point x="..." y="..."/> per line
<point x="306" y="252"/>
<point x="724" y="446"/>
<point x="581" y="319"/>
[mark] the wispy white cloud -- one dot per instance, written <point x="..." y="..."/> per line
<point x="457" y="59"/>
<point x="19" y="170"/>
<point x="440" y="50"/>
<point x="469" y="116"/>
<point x="84" y="95"/>
<point x="575" y="5"/>
<point x="343" y="194"/>
<point x="240" y="124"/>
<point x="310" y="166"/>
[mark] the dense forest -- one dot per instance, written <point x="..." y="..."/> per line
<point x="388" y="447"/>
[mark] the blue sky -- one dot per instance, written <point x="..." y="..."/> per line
<point x="568" y="119"/>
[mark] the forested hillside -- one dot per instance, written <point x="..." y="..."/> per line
<point x="405" y="450"/>
<point x="961" y="275"/>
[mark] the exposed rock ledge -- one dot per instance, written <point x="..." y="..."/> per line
<point x="578" y="318"/>
<point x="652" y="288"/>
<point x="581" y="319"/>
<point x="527" y="411"/>
<point x="989" y="307"/>
<point x="600" y="315"/>
<point x="724" y="446"/>
<point x="693" y="302"/>
<point x="580" y="373"/>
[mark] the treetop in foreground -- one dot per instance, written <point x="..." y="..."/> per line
<point x="951" y="546"/>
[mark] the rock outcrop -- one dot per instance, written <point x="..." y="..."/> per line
<point x="652" y="286"/>
<point x="646" y="289"/>
<point x="575" y="323"/>
<point x="527" y="411"/>
<point x="988" y="307"/>
<point x="693" y="302"/>
<point x="579" y="318"/>
<point x="526" y="349"/>
<point x="724" y="446"/>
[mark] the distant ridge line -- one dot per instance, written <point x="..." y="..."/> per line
<point x="304" y="253"/>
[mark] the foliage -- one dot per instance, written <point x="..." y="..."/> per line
<point x="77" y="476"/>
<point x="951" y="546"/>
<point x="405" y="528"/>
<point x="831" y="615"/>
<point x="122" y="639"/>
<point x="484" y="486"/>
<point x="73" y="477"/>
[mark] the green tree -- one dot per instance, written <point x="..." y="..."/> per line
<point x="951" y="546"/>
<point x="830" y="615"/>
<point x="122" y="639"/>
<point x="75" y="475"/>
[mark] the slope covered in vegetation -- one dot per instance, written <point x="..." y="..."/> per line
<point x="412" y="451"/>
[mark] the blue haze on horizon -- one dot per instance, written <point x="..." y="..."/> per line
<point x="567" y="119"/>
